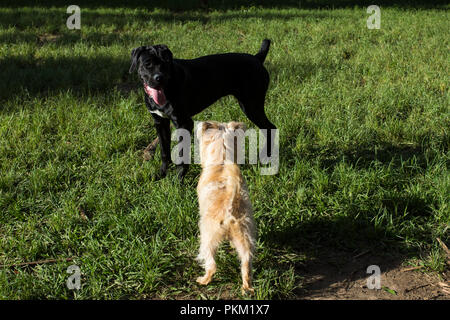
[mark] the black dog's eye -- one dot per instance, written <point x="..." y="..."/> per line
<point x="147" y="63"/>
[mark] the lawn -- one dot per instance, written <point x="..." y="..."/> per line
<point x="364" y="122"/>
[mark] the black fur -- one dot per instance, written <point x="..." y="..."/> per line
<point x="190" y="86"/>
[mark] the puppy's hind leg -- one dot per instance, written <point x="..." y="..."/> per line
<point x="242" y="240"/>
<point x="210" y="238"/>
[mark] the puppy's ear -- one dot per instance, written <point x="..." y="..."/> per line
<point x="135" y="53"/>
<point x="234" y="141"/>
<point x="200" y="130"/>
<point x="205" y="125"/>
<point x="236" y="125"/>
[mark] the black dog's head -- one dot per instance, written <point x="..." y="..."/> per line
<point x="155" y="65"/>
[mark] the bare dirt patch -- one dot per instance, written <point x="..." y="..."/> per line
<point x="341" y="276"/>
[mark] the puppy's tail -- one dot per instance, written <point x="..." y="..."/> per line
<point x="262" y="53"/>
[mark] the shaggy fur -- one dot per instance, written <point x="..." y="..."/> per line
<point x="225" y="208"/>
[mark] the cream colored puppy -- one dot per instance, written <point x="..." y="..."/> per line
<point x="225" y="208"/>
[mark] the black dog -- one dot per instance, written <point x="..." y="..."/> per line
<point x="177" y="89"/>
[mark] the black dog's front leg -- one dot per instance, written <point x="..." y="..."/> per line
<point x="183" y="167"/>
<point x="162" y="126"/>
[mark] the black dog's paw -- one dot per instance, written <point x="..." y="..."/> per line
<point x="181" y="171"/>
<point x="158" y="177"/>
<point x="162" y="172"/>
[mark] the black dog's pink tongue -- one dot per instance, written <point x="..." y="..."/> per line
<point x="157" y="95"/>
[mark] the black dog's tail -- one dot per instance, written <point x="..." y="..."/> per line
<point x="262" y="53"/>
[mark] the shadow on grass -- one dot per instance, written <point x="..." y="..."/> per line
<point x="337" y="244"/>
<point x="23" y="76"/>
<point x="26" y="73"/>
<point x="359" y="156"/>
<point x="55" y="19"/>
<point x="188" y="5"/>
<point x="337" y="250"/>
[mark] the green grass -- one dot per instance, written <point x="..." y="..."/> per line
<point x="364" y="147"/>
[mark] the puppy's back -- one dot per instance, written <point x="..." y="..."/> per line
<point x="222" y="193"/>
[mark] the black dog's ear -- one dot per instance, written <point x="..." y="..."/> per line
<point x="165" y="53"/>
<point x="135" y="53"/>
